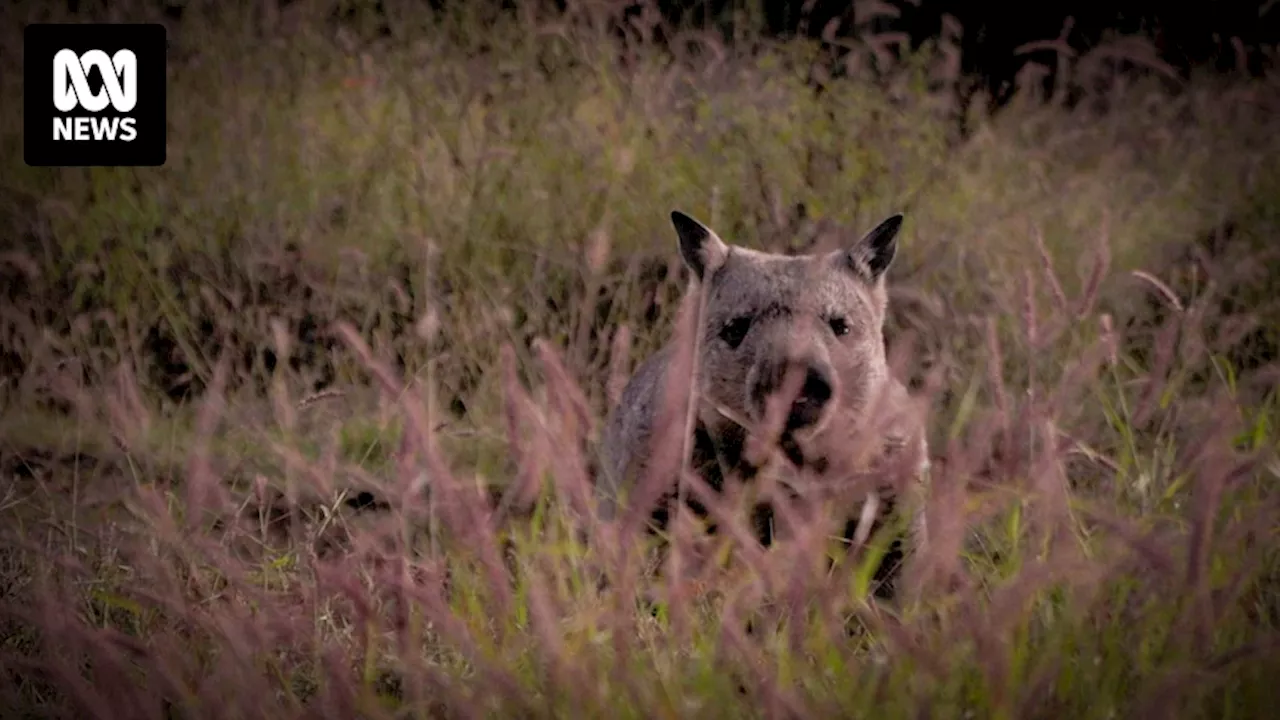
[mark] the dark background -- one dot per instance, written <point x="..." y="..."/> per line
<point x="1221" y="36"/>
<point x="1187" y="34"/>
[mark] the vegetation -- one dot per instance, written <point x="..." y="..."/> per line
<point x="300" y="424"/>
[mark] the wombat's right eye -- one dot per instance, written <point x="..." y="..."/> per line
<point x="735" y="331"/>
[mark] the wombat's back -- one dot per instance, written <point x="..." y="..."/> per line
<point x="625" y="442"/>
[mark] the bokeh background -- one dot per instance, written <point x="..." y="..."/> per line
<point x="275" y="413"/>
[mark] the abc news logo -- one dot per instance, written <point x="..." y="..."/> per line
<point x="95" y="95"/>
<point x="71" y="89"/>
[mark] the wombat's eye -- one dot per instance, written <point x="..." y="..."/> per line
<point x="839" y="326"/>
<point x="735" y="331"/>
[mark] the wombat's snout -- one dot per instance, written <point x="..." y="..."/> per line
<point x="815" y="391"/>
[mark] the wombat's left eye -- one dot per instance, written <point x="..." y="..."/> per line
<point x="839" y="326"/>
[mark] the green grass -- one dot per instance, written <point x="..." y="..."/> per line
<point x="177" y="542"/>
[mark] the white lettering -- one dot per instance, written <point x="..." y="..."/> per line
<point x="86" y="128"/>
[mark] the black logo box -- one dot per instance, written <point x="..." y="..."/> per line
<point x="148" y="43"/>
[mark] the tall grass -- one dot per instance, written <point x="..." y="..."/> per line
<point x="302" y="423"/>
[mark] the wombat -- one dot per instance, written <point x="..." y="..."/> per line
<point x="817" y="319"/>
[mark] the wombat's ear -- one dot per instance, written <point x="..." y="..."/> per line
<point x="703" y="251"/>
<point x="873" y="254"/>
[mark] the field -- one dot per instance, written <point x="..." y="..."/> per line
<point x="301" y="424"/>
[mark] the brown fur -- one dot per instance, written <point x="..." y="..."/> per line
<point x="811" y="326"/>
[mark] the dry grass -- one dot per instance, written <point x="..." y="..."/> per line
<point x="301" y="425"/>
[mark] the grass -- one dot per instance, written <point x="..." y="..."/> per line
<point x="301" y="423"/>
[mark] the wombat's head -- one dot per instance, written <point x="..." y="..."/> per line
<point x="814" y="321"/>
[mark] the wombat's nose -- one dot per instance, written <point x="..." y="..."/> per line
<point x="814" y="393"/>
<point x="813" y="398"/>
